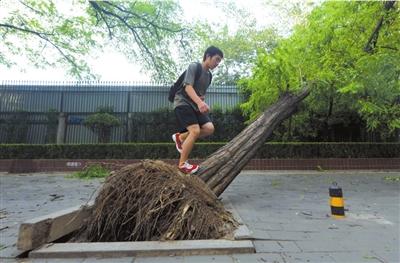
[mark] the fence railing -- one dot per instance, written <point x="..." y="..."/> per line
<point x="25" y="107"/>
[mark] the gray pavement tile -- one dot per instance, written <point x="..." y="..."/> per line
<point x="106" y="260"/>
<point x="258" y="257"/>
<point x="275" y="246"/>
<point x="209" y="258"/>
<point x="308" y="257"/>
<point x="289" y="235"/>
<point x="28" y="196"/>
<point x="385" y="256"/>
<point x="358" y="240"/>
<point x="326" y="245"/>
<point x="260" y="234"/>
<point x="159" y="260"/>
<point x="50" y="260"/>
<point x="10" y="250"/>
<point x="364" y="257"/>
<point x="264" y="226"/>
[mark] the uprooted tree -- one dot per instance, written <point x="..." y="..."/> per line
<point x="152" y="200"/>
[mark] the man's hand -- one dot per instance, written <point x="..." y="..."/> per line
<point x="203" y="107"/>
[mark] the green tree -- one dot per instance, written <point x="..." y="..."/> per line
<point x="329" y="51"/>
<point x="240" y="41"/>
<point x="240" y="49"/>
<point x="102" y="123"/>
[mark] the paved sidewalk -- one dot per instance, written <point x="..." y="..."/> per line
<point x="287" y="211"/>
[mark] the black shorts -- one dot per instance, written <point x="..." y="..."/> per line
<point x="186" y="116"/>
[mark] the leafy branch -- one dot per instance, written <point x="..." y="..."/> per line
<point x="44" y="36"/>
<point x="141" y="30"/>
<point x="373" y="39"/>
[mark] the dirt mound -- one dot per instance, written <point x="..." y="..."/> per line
<point x="152" y="200"/>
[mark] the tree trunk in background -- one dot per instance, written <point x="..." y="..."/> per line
<point x="219" y="169"/>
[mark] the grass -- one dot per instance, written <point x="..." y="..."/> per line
<point x="392" y="178"/>
<point x="91" y="171"/>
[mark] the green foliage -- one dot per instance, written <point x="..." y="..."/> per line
<point x="327" y="54"/>
<point x="49" y="34"/>
<point x="42" y="31"/>
<point x="240" y="47"/>
<point x="240" y="50"/>
<point x="92" y="171"/>
<point x="201" y="150"/>
<point x="102" y="123"/>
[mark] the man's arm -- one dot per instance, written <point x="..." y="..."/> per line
<point x="203" y="107"/>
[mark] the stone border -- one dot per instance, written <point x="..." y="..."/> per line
<point x="50" y="165"/>
<point x="144" y="249"/>
<point x="48" y="228"/>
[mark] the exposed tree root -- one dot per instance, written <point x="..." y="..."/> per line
<point x="152" y="200"/>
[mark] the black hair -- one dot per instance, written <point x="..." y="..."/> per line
<point x="212" y="51"/>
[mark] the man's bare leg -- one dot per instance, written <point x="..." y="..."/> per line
<point x="191" y="135"/>
<point x="206" y="130"/>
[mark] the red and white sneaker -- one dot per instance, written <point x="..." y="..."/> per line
<point x="188" y="168"/>
<point x="178" y="142"/>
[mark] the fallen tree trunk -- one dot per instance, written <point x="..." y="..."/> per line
<point x="219" y="169"/>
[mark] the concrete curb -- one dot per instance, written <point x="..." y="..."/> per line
<point x="143" y="249"/>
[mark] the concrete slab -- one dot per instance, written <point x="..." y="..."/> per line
<point x="47" y="228"/>
<point x="142" y="249"/>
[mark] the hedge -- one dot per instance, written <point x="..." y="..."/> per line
<point x="202" y="150"/>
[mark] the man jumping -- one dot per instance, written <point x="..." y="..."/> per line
<point x="190" y="109"/>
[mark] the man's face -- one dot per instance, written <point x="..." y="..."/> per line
<point x="214" y="61"/>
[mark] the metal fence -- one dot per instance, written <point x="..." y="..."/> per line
<point x="27" y="105"/>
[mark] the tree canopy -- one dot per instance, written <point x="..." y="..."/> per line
<point x="48" y="34"/>
<point x="349" y="53"/>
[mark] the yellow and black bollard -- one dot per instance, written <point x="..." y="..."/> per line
<point x="337" y="203"/>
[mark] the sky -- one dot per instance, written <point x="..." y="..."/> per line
<point x="113" y="66"/>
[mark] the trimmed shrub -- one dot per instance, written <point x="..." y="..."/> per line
<point x="201" y="150"/>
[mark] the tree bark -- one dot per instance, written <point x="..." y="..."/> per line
<point x="219" y="169"/>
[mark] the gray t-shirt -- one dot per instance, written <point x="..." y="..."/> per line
<point x="200" y="86"/>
